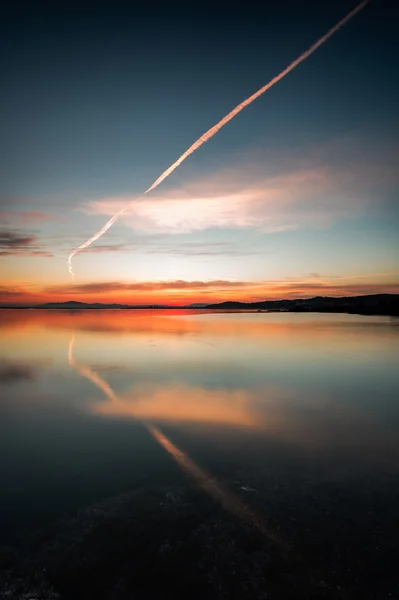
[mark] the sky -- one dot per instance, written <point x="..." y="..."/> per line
<point x="297" y="196"/>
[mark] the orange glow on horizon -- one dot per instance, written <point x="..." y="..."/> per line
<point x="180" y="293"/>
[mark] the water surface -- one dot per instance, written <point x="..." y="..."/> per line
<point x="286" y="422"/>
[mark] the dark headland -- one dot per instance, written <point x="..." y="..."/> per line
<point x="375" y="304"/>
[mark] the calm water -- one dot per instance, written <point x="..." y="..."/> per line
<point x="302" y="409"/>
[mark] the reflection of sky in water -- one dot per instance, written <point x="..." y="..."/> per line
<point x="313" y="385"/>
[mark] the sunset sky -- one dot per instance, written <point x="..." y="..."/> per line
<point x="296" y="197"/>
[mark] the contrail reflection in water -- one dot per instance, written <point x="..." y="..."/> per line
<point x="85" y="371"/>
<point x="210" y="484"/>
<point x="226" y="499"/>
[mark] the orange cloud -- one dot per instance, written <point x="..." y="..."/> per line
<point x="146" y="286"/>
<point x="241" y="290"/>
<point x="181" y="403"/>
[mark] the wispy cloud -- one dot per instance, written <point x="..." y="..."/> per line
<point x="15" y="292"/>
<point x="316" y="196"/>
<point x="172" y="247"/>
<point x="186" y="292"/>
<point x="147" y="286"/>
<point x="223" y="289"/>
<point x="15" y="243"/>
<point x="25" y="217"/>
<point x="204" y="249"/>
<point x="110" y="248"/>
<point x="11" y="291"/>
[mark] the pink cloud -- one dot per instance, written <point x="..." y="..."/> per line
<point x="312" y="197"/>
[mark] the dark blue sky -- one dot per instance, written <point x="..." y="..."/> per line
<point x="90" y="94"/>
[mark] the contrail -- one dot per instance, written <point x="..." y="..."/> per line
<point x="93" y="239"/>
<point x="213" y="130"/>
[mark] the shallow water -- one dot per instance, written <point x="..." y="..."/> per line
<point x="286" y="421"/>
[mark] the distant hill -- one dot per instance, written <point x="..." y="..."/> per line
<point x="84" y="305"/>
<point x="376" y="304"/>
<point x="195" y="305"/>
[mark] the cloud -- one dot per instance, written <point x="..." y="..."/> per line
<point x="24" y="217"/>
<point x="110" y="248"/>
<point x="15" y="291"/>
<point x="316" y="196"/>
<point x="9" y="239"/>
<point x="15" y="243"/>
<point x="245" y="291"/>
<point x="204" y="249"/>
<point x="180" y="249"/>
<point x="146" y="286"/>
<point x="18" y="293"/>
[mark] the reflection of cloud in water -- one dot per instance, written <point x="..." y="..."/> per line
<point x="180" y="403"/>
<point x="16" y="371"/>
<point x="11" y="373"/>
<point x="309" y="422"/>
